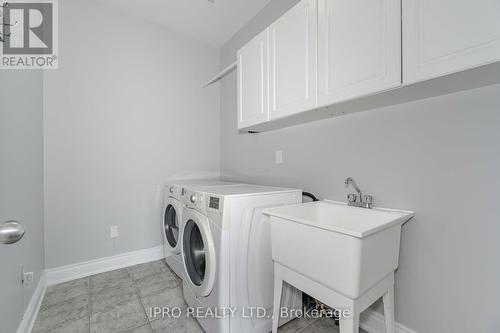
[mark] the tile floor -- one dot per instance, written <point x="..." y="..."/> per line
<point x="119" y="301"/>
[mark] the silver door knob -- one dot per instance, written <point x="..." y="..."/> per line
<point x="11" y="232"/>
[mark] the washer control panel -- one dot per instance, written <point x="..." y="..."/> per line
<point x="202" y="202"/>
<point x="214" y="203"/>
<point x="195" y="200"/>
<point x="172" y="191"/>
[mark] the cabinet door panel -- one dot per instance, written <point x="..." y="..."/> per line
<point x="293" y="52"/>
<point x="359" y="48"/>
<point x="447" y="36"/>
<point x="253" y="105"/>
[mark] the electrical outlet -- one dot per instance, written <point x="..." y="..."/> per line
<point x="27" y="278"/>
<point x="114" y="231"/>
<point x="279" y="156"/>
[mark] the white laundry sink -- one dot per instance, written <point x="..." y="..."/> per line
<point x="346" y="249"/>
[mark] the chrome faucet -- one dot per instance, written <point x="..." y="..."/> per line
<point x="358" y="200"/>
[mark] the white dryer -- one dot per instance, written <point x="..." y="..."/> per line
<point x="172" y="218"/>
<point x="226" y="252"/>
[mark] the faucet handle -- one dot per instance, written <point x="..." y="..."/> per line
<point x="368" y="201"/>
<point x="352" y="197"/>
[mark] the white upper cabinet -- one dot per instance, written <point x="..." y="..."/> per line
<point x="293" y="61"/>
<point x="323" y="53"/>
<point x="359" y="48"/>
<point x="447" y="36"/>
<point x="253" y="102"/>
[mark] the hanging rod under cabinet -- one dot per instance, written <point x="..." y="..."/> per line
<point x="222" y="74"/>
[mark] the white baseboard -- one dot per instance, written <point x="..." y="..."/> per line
<point x="373" y="322"/>
<point x="33" y="306"/>
<point x="75" y="271"/>
<point x="71" y="272"/>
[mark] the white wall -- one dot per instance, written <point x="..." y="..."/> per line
<point x="124" y="112"/>
<point x="439" y="157"/>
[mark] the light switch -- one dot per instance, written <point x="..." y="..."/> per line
<point x="279" y="156"/>
<point x="114" y="231"/>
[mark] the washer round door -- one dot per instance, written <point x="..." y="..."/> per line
<point x="172" y="225"/>
<point x="198" y="253"/>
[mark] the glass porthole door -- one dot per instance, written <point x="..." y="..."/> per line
<point x="194" y="250"/>
<point x="198" y="253"/>
<point x="171" y="225"/>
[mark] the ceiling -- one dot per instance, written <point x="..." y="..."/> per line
<point x="213" y="23"/>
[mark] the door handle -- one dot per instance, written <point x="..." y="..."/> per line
<point x="11" y="232"/>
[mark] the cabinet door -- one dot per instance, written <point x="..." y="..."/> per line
<point x="446" y="36"/>
<point x="359" y="48"/>
<point x="293" y="61"/>
<point x="253" y="102"/>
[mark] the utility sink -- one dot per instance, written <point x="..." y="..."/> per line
<point x="347" y="249"/>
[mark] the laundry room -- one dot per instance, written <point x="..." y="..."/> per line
<point x="231" y="166"/>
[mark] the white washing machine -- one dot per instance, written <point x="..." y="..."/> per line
<point x="226" y="252"/>
<point x="172" y="218"/>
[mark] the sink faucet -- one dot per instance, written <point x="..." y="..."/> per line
<point x="358" y="200"/>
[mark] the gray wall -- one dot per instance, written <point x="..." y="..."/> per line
<point x="21" y="188"/>
<point x="439" y="157"/>
<point x="124" y="112"/>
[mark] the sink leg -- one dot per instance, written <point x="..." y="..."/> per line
<point x="278" y="286"/>
<point x="388" y="299"/>
<point x="350" y="325"/>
